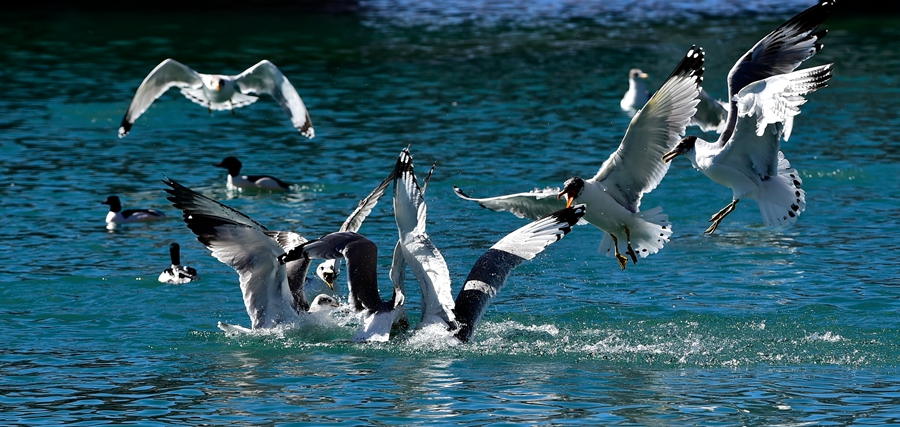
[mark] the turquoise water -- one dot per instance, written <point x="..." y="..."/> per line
<point x="751" y="326"/>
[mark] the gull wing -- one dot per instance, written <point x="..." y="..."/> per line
<point x="244" y="245"/>
<point x="779" y="52"/>
<point x="490" y="272"/>
<point x="635" y="167"/>
<point x="532" y="205"/>
<point x="365" y="206"/>
<point x="777" y="99"/>
<point x="167" y="74"/>
<point x="766" y="111"/>
<point x="361" y="256"/>
<point x="417" y="249"/>
<point x="265" y="77"/>
<point x="712" y="114"/>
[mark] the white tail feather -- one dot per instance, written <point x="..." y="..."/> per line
<point x="650" y="230"/>
<point x="780" y="198"/>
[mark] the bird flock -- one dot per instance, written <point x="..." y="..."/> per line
<point x="765" y="92"/>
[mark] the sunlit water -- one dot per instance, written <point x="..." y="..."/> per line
<point x="791" y="326"/>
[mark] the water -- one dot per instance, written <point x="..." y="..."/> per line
<point x="751" y="326"/>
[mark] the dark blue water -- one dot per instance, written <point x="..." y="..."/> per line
<point x="750" y="326"/>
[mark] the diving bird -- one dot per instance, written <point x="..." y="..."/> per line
<point x="118" y="216"/>
<point x="219" y="92"/>
<point x="236" y="181"/>
<point x="766" y="93"/>
<point x="273" y="291"/>
<point x="490" y="271"/>
<point x="613" y="195"/>
<point x="177" y="274"/>
<point x="710" y="116"/>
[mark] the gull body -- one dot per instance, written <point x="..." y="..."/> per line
<point x="219" y="91"/>
<point x="766" y="93"/>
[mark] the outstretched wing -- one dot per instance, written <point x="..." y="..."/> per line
<point x="244" y="245"/>
<point x="365" y="206"/>
<point x="265" y="77"/>
<point x="532" y="205"/>
<point x="634" y="168"/>
<point x="167" y="74"/>
<point x="417" y="249"/>
<point x="766" y="111"/>
<point x="493" y="267"/>
<point x="192" y="203"/>
<point x="779" y="52"/>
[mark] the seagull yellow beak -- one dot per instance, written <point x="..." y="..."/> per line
<point x="570" y="198"/>
<point x="668" y="157"/>
<point x="329" y="280"/>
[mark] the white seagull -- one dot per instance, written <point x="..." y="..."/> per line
<point x="613" y="195"/>
<point x="766" y="93"/>
<point x="219" y="92"/>
<point x="177" y="274"/>
<point x="488" y="274"/>
<point x="273" y="292"/>
<point x="710" y="116"/>
<point x="118" y="216"/>
<point x="637" y="94"/>
<point x="236" y="181"/>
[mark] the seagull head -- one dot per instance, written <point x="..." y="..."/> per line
<point x="323" y="303"/>
<point x="217" y="83"/>
<point x="326" y="271"/>
<point x="572" y="188"/>
<point x="636" y="73"/>
<point x="683" y="147"/>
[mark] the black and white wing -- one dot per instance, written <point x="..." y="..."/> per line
<point x="244" y="245"/>
<point x="532" y="205"/>
<point x="779" y="52"/>
<point x="365" y="206"/>
<point x="634" y="168"/>
<point x="417" y="249"/>
<point x="493" y="267"/>
<point x="361" y="256"/>
<point x="265" y="77"/>
<point x="711" y="115"/>
<point x="766" y="111"/>
<point x="167" y="74"/>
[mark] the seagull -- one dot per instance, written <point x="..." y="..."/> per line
<point x="710" y="115"/>
<point x="117" y="216"/>
<point x="177" y="274"/>
<point x="637" y="94"/>
<point x="273" y="291"/>
<point x="236" y="181"/>
<point x="488" y="274"/>
<point x="766" y="94"/>
<point x="613" y="195"/>
<point x="219" y="92"/>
